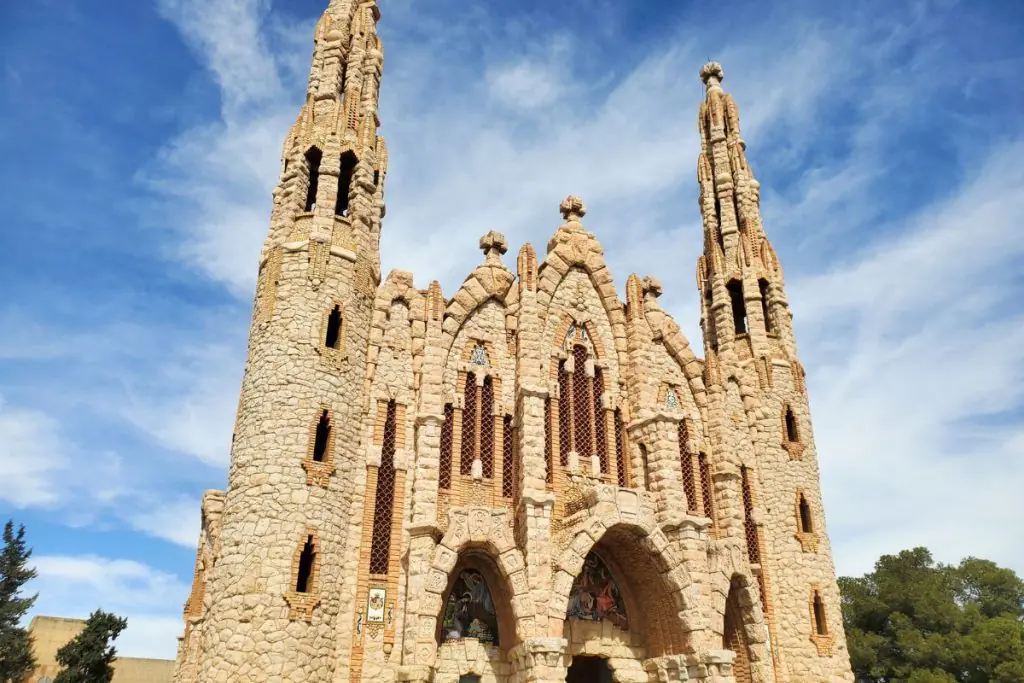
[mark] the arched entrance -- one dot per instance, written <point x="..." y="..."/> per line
<point x="734" y="634"/>
<point x="586" y="669"/>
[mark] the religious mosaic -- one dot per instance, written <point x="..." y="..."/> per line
<point x="595" y="595"/>
<point x="469" y="612"/>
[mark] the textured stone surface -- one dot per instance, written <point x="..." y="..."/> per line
<point x="530" y="419"/>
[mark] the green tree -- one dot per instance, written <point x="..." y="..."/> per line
<point x="913" y="620"/>
<point x="87" y="658"/>
<point x="16" y="657"/>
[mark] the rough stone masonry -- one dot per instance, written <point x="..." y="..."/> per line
<point x="528" y="480"/>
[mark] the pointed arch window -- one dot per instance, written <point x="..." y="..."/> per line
<point x="345" y="176"/>
<point x="313" y="158"/>
<point x="383" y="512"/>
<point x="739" y="306"/>
<point x="468" y="426"/>
<point x="818" y="608"/>
<point x="485" y="445"/>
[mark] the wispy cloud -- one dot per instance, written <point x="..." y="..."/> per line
<point x="32" y="452"/>
<point x="150" y="599"/>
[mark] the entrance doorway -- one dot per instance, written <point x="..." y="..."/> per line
<point x="589" y="670"/>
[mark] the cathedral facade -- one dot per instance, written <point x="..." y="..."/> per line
<point x="528" y="479"/>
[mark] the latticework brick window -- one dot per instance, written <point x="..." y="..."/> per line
<point x="764" y="591"/>
<point x="444" y="475"/>
<point x="599" y="422"/>
<point x="549" y="449"/>
<point x="508" y="460"/>
<point x="582" y="403"/>
<point x="468" y="422"/>
<point x="487" y="428"/>
<point x="620" y="450"/>
<point x="753" y="548"/>
<point x="380" y="548"/>
<point x="689" y="476"/>
<point x="707" y="493"/>
<point x="564" y="445"/>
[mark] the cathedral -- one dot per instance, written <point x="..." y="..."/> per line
<point x="528" y="479"/>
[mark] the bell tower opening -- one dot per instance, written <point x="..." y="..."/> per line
<point x="586" y="669"/>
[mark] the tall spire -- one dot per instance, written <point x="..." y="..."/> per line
<point x="738" y="274"/>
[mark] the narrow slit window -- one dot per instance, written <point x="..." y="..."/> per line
<point x="718" y="217"/>
<point x="792" y="433"/>
<point x="313" y="158"/>
<point x="707" y="495"/>
<point x="820" y="625"/>
<point x="763" y="286"/>
<point x="332" y="339"/>
<point x="376" y="178"/>
<point x="348" y="169"/>
<point x="304" y="579"/>
<point x="739" y="307"/>
<point x="806" y="522"/>
<point x="322" y="438"/>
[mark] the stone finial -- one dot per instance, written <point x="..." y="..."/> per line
<point x="712" y="74"/>
<point x="572" y="208"/>
<point x="652" y="286"/>
<point x="493" y="245"/>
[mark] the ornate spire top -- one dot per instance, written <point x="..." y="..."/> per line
<point x="712" y="74"/>
<point x="652" y="286"/>
<point x="572" y="208"/>
<point x="493" y="244"/>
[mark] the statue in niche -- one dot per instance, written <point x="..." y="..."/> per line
<point x="595" y="596"/>
<point x="469" y="611"/>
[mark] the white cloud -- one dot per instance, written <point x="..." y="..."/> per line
<point x="525" y="85"/>
<point x="32" y="455"/>
<point x="75" y="586"/>
<point x="176" y="520"/>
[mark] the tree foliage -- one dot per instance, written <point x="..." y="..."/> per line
<point x="16" y="658"/>
<point x="87" y="658"/>
<point x="913" y="620"/>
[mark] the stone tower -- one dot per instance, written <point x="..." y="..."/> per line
<point x="530" y="480"/>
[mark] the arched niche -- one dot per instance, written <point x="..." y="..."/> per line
<point x="476" y="626"/>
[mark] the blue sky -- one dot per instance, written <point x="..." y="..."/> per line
<point x="140" y="139"/>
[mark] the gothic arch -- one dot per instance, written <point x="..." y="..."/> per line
<point x="655" y="587"/>
<point x="739" y="621"/>
<point x="488" y="281"/>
